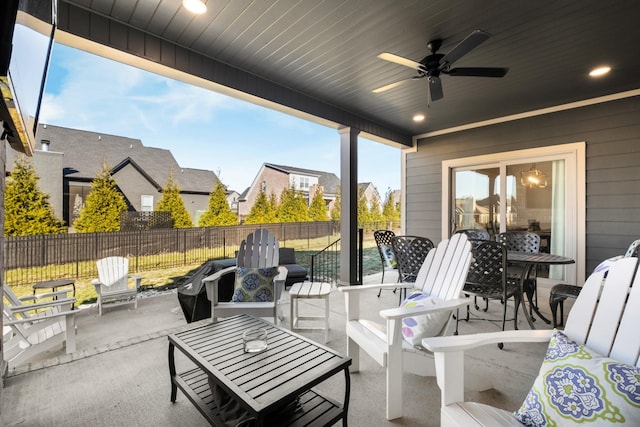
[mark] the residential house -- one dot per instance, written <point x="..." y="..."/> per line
<point x="274" y="178"/>
<point x="69" y="159"/>
<point x="370" y="193"/>
<point x="232" y="198"/>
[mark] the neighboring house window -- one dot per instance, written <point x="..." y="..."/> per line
<point x="304" y="182"/>
<point x="264" y="185"/>
<point x="146" y="203"/>
<point x="78" y="193"/>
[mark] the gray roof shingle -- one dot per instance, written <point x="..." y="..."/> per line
<point x="85" y="152"/>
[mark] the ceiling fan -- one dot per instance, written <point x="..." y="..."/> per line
<point x="434" y="64"/>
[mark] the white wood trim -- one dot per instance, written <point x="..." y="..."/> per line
<point x="533" y="113"/>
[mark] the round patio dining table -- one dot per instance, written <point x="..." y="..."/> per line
<point x="529" y="260"/>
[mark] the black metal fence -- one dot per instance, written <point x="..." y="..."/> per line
<point x="29" y="259"/>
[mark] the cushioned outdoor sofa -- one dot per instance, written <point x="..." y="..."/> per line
<point x="296" y="272"/>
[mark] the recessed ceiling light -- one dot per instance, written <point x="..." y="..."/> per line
<point x="418" y="117"/>
<point x="600" y="71"/>
<point x="195" y="6"/>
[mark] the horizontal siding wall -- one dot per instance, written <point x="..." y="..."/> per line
<point x="612" y="134"/>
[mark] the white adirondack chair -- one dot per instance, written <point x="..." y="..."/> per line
<point x="604" y="318"/>
<point x="31" y="329"/>
<point x="112" y="284"/>
<point x="259" y="250"/>
<point x="442" y="275"/>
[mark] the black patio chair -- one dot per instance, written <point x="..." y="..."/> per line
<point x="410" y="252"/>
<point x="487" y="278"/>
<point x="522" y="241"/>
<point x="385" y="250"/>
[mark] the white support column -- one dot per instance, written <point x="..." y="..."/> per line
<point x="348" y="205"/>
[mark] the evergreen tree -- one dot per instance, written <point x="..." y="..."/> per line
<point x="26" y="209"/>
<point x="335" y="209"/>
<point x="273" y="203"/>
<point x="262" y="211"/>
<point x="218" y="211"/>
<point x="171" y="201"/>
<point x="318" y="208"/>
<point x="364" y="216"/>
<point x="389" y="210"/>
<point x="293" y="206"/>
<point x="103" y="205"/>
<point x="375" y="214"/>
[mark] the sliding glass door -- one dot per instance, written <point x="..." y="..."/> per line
<point x="535" y="190"/>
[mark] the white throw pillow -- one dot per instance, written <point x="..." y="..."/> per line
<point x="423" y="326"/>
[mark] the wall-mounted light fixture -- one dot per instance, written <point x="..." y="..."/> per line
<point x="533" y="178"/>
<point x="195" y="6"/>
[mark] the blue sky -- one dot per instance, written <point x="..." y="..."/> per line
<point x="201" y="128"/>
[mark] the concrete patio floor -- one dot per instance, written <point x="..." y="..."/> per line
<point x="119" y="374"/>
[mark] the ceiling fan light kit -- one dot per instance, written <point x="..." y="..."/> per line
<point x="435" y="64"/>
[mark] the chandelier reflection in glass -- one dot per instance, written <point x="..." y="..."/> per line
<point x="533" y="178"/>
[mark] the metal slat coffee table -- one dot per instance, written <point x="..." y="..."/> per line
<point x="264" y="383"/>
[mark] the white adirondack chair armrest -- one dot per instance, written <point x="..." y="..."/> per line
<point x="401" y="312"/>
<point x="56" y="294"/>
<point x="137" y="278"/>
<point x="41" y="318"/>
<point x="96" y="282"/>
<point x="448" y="352"/>
<point x="40" y="305"/>
<point x="282" y="274"/>
<point x="361" y="288"/>
<point x="279" y="281"/>
<point x="467" y="342"/>
<point x="218" y="274"/>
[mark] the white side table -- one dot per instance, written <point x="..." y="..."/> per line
<point x="309" y="290"/>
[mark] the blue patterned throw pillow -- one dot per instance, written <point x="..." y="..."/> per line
<point x="389" y="256"/>
<point x="254" y="284"/>
<point x="578" y="386"/>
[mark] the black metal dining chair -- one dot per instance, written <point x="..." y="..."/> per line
<point x="385" y="250"/>
<point x="522" y="241"/>
<point x="476" y="237"/>
<point x="387" y="257"/>
<point x="410" y="252"/>
<point x="487" y="278"/>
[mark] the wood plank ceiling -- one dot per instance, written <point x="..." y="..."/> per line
<point x="327" y="50"/>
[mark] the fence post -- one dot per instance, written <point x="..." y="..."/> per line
<point x="77" y="259"/>
<point x="360" y="243"/>
<point x="184" y="247"/>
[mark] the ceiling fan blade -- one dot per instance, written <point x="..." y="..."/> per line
<point x="477" y="72"/>
<point x="401" y="61"/>
<point x="435" y="88"/>
<point x="472" y="41"/>
<point x="395" y="84"/>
